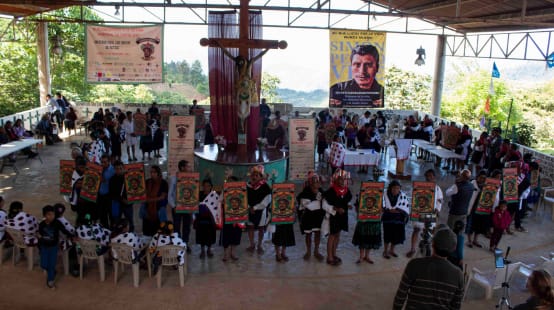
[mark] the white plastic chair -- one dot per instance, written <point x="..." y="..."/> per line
<point x="88" y="251"/>
<point x="19" y="243"/>
<point x="493" y="280"/>
<point x="547" y="198"/>
<point x="124" y="254"/>
<point x="170" y="257"/>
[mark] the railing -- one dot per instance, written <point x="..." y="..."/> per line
<point x="30" y="117"/>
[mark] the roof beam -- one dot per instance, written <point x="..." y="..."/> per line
<point x="437" y="5"/>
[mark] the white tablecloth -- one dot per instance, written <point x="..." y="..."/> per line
<point x="15" y="146"/>
<point x="359" y="157"/>
<point x="438" y="151"/>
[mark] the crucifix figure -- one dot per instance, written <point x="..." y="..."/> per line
<point x="245" y="86"/>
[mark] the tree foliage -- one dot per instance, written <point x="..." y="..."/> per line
<point x="270" y="83"/>
<point x="406" y="90"/>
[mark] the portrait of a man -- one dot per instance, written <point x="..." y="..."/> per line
<point x="363" y="90"/>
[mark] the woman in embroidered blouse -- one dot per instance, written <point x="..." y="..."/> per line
<point x="395" y="215"/>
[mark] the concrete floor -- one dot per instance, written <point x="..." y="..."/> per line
<point x="254" y="281"/>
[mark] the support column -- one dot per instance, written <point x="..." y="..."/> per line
<point x="438" y="78"/>
<point x="43" y="61"/>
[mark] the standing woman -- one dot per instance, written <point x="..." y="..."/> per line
<point x="156" y="201"/>
<point x="311" y="214"/>
<point x="337" y="203"/>
<point x="367" y="235"/>
<point x="205" y="219"/>
<point x="395" y="215"/>
<point x="259" y="199"/>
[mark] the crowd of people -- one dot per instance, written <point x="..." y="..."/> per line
<point x="321" y="212"/>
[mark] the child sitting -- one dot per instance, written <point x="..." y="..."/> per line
<point x="49" y="238"/>
<point x="122" y="235"/>
<point x="166" y="236"/>
<point x="500" y="221"/>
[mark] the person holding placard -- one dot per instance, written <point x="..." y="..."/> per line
<point x="367" y="235"/>
<point x="395" y="217"/>
<point x="283" y="236"/>
<point x="311" y="214"/>
<point x="336" y="203"/>
<point x="259" y="200"/>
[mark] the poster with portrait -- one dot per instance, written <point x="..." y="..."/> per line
<point x="357" y="70"/>
<point x="236" y="203"/>
<point x="91" y="182"/>
<point x="140" y="124"/>
<point x="187" y="192"/>
<point x="66" y="173"/>
<point x="370" y="202"/>
<point x="123" y="54"/>
<point x="283" y="204"/>
<point x="164" y="119"/>
<point x="423" y="199"/>
<point x="534" y="179"/>
<point x="450" y="136"/>
<point x="301" y="147"/>
<point x="509" y="184"/>
<point x="330" y="131"/>
<point x="135" y="182"/>
<point x="181" y="142"/>
<point x="487" y="197"/>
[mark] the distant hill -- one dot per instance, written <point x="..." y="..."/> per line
<point x="186" y="90"/>
<point x="314" y="98"/>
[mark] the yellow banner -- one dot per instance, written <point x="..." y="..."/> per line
<point x="124" y="54"/>
<point x="357" y="68"/>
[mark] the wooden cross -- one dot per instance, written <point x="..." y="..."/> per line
<point x="245" y="87"/>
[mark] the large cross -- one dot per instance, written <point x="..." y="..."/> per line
<point x="245" y="87"/>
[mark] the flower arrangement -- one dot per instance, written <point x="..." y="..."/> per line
<point x="261" y="142"/>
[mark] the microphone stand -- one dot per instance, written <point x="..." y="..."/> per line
<point x="504" y="301"/>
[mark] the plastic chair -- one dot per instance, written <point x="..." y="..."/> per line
<point x="124" y="254"/>
<point x="493" y="280"/>
<point x="65" y="261"/>
<point x="19" y="243"/>
<point x="88" y="251"/>
<point x="547" y="198"/>
<point x="169" y="254"/>
<point x="2" y="251"/>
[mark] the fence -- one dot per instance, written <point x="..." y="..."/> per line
<point x="30" y="117"/>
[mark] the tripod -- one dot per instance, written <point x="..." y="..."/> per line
<point x="504" y="301"/>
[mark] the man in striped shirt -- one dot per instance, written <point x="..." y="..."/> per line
<point x="432" y="282"/>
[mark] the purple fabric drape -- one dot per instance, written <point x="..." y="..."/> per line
<point x="223" y="109"/>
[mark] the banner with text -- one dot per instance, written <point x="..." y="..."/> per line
<point x="124" y="54"/>
<point x="357" y="75"/>
<point x="181" y="142"/>
<point x="301" y="147"/>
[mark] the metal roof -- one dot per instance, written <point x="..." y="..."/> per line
<point x="461" y="16"/>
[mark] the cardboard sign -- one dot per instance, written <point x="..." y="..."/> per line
<point x="487" y="197"/>
<point x="423" y="199"/>
<point x="187" y="192"/>
<point x="370" y="201"/>
<point x="66" y="173"/>
<point x="509" y="184"/>
<point x="283" y="204"/>
<point x="135" y="182"/>
<point x="236" y="202"/>
<point x="91" y="182"/>
<point x="450" y="137"/>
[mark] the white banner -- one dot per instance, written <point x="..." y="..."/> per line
<point x="301" y="147"/>
<point x="124" y="54"/>
<point x="181" y="142"/>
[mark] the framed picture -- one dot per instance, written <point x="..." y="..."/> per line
<point x="509" y="184"/>
<point x="370" y="203"/>
<point x="66" y="173"/>
<point x="91" y="182"/>
<point x="187" y="192"/>
<point x="283" y="204"/>
<point x="236" y="202"/>
<point x="135" y="182"/>
<point x="423" y="199"/>
<point x="487" y="197"/>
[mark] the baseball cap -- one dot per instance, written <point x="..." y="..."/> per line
<point x="445" y="239"/>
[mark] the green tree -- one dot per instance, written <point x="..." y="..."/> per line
<point x="406" y="90"/>
<point x="270" y="83"/>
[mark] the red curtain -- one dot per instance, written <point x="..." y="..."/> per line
<point x="223" y="109"/>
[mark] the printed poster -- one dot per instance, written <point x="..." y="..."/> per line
<point x="187" y="192"/>
<point x="487" y="197"/>
<point x="91" y="182"/>
<point x="423" y="199"/>
<point x="370" y="202"/>
<point x="116" y="54"/>
<point x="66" y="173"/>
<point x="140" y="124"/>
<point x="181" y="142"/>
<point x="236" y="203"/>
<point x="164" y="119"/>
<point x="357" y="75"/>
<point x="135" y="182"/>
<point x="283" y="204"/>
<point x="450" y="136"/>
<point x="509" y="184"/>
<point x="301" y="147"/>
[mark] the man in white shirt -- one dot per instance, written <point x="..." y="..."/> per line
<point x="128" y="126"/>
